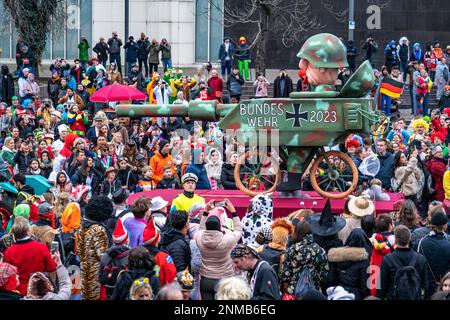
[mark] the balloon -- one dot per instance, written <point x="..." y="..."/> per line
<point x="370" y="166"/>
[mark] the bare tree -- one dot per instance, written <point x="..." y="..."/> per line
<point x="34" y="19"/>
<point x="288" y="19"/>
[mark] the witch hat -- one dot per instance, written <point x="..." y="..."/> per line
<point x="326" y="224"/>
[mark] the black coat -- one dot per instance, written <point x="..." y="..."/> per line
<point x="436" y="250"/>
<point x="388" y="269"/>
<point x="23" y="161"/>
<point x="106" y="188"/>
<point x="227" y="177"/>
<point x="79" y="178"/>
<point x="131" y="51"/>
<point x="127" y="178"/>
<point x="171" y="183"/>
<point x="6" y="85"/>
<point x="9" y="295"/>
<point x="266" y="284"/>
<point x="234" y="85"/>
<point x="101" y="49"/>
<point x="143" y="51"/>
<point x="177" y="246"/>
<point x="118" y="253"/>
<point x="288" y="88"/>
<point x="122" y="289"/>
<point x="348" y="269"/>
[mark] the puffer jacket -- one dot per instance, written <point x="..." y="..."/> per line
<point x="176" y="245"/>
<point x="408" y="176"/>
<point x="227" y="177"/>
<point x="122" y="289"/>
<point x="215" y="248"/>
<point x="348" y="269"/>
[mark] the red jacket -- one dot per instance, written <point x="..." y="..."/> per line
<point x="216" y="85"/>
<point x="29" y="256"/>
<point x="167" y="270"/>
<point x="436" y="127"/>
<point x="437" y="168"/>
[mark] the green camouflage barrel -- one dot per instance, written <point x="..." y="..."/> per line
<point x="324" y="50"/>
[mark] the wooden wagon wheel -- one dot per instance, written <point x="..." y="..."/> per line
<point x="341" y="175"/>
<point x="264" y="177"/>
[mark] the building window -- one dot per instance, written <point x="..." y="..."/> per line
<point x="208" y="29"/>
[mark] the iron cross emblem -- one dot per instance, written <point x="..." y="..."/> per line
<point x="297" y="115"/>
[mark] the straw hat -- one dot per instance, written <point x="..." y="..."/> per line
<point x="361" y="206"/>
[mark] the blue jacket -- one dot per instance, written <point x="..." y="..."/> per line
<point x="385" y="174"/>
<point x="436" y="250"/>
<point x="132" y="51"/>
<point x="200" y="171"/>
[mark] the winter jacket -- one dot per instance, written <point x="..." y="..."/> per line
<point x="157" y="164"/>
<point x="92" y="244"/>
<point x="101" y="49"/>
<point x="215" y="248"/>
<point x="436" y="250"/>
<point x="165" y="51"/>
<point x="131" y="49"/>
<point x="53" y="86"/>
<point x="265" y="287"/>
<point x="154" y="54"/>
<point x="6" y="85"/>
<point x="223" y="53"/>
<point x="408" y="176"/>
<point x="83" y="52"/>
<point x="200" y="171"/>
<point x="142" y="52"/>
<point x="122" y="289"/>
<point x="227" y="177"/>
<point x="78" y="178"/>
<point x="8" y="156"/>
<point x="403" y="50"/>
<point x="128" y="179"/>
<point x="437" y="168"/>
<point x="29" y="256"/>
<point x="23" y="160"/>
<point x="243" y="52"/>
<point x="65" y="287"/>
<point x="214" y="169"/>
<point x="304" y="254"/>
<point x="388" y="270"/>
<point x="108" y="189"/>
<point x="118" y="253"/>
<point x="385" y="173"/>
<point x="442" y="76"/>
<point x="185" y="200"/>
<point x="167" y="271"/>
<point x="114" y="45"/>
<point x="216" y="86"/>
<point x="177" y="246"/>
<point x="170" y="183"/>
<point x="348" y="269"/>
<point x="391" y="56"/>
<point x="282" y="92"/>
<point x="234" y="85"/>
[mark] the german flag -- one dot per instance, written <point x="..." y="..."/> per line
<point x="391" y="88"/>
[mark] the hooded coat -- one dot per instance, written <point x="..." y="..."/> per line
<point x="157" y="164"/>
<point x="260" y="216"/>
<point x="348" y="269"/>
<point x="214" y="169"/>
<point x="215" y="248"/>
<point x="6" y="85"/>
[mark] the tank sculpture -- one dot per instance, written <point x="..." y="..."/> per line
<point x="306" y="122"/>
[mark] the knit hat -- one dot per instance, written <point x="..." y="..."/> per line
<point x="120" y="236"/>
<point x="71" y="217"/>
<point x="212" y="223"/>
<point x="151" y="235"/>
<point x="6" y="272"/>
<point x="281" y="229"/>
<point x="78" y="191"/>
<point x="439" y="219"/>
<point x="22" y="210"/>
<point x="163" y="143"/>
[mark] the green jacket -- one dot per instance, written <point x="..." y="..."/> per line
<point x="83" y="51"/>
<point x="8" y="156"/>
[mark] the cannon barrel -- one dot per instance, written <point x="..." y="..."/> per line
<point x="209" y="110"/>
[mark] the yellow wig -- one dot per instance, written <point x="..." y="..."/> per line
<point x="421" y="122"/>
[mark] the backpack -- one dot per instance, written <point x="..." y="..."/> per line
<point x="304" y="284"/>
<point x="109" y="274"/>
<point x="407" y="284"/>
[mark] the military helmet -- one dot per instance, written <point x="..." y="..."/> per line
<point x="324" y="50"/>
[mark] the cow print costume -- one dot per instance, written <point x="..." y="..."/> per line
<point x="260" y="216"/>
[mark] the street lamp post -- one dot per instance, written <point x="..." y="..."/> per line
<point x="351" y="19"/>
<point x="127" y="26"/>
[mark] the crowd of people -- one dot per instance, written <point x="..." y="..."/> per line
<point x="187" y="248"/>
